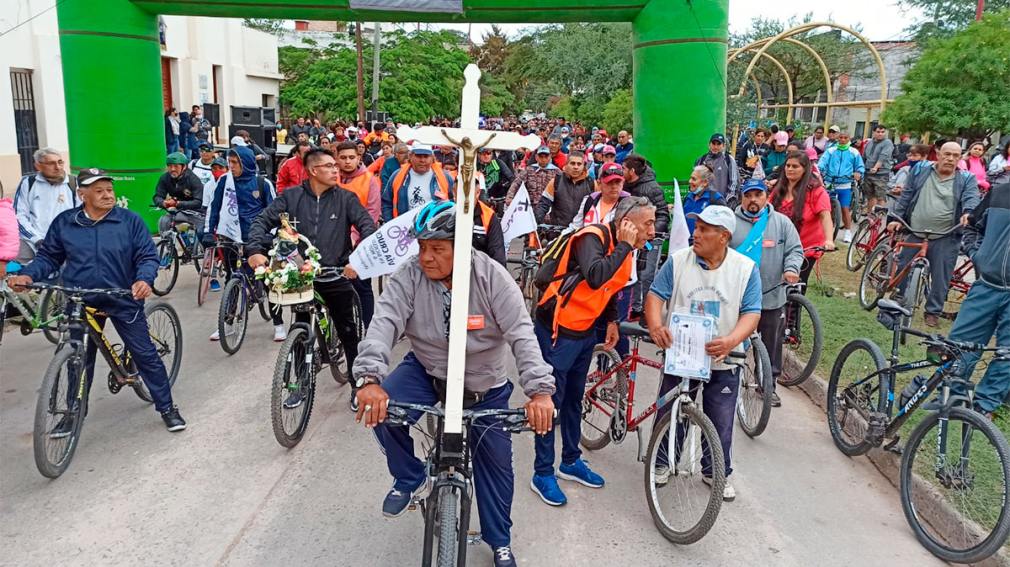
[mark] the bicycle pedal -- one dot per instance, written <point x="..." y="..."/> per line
<point x="114" y="385"/>
<point x="473" y="537"/>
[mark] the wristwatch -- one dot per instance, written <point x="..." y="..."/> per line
<point x="366" y="380"/>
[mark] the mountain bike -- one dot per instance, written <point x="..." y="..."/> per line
<point x="673" y="486"/>
<point x="954" y="459"/>
<point x="802" y="332"/>
<point x="44" y="313"/>
<point x="177" y="245"/>
<point x="65" y="387"/>
<point x="869" y="234"/>
<point x="446" y="505"/>
<point x="238" y="297"/>
<point x="311" y="344"/>
<point x="754" y="404"/>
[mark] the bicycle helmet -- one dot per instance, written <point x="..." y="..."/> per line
<point x="176" y="158"/>
<point x="436" y="221"/>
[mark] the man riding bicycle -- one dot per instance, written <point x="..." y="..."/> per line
<point x="415" y="302"/>
<point x="180" y="193"/>
<point x="841" y="166"/>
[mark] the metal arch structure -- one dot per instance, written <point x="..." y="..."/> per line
<point x="763" y="45"/>
<point x="785" y="75"/>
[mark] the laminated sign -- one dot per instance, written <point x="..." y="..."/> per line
<point x="453" y="6"/>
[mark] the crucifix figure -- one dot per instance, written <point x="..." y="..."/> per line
<point x="470" y="139"/>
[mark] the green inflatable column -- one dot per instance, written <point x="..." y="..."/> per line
<point x="112" y="82"/>
<point x="680" y="82"/>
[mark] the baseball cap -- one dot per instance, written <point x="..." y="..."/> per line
<point x="219" y="161"/>
<point x="717" y="215"/>
<point x="352" y="129"/>
<point x="565" y="129"/>
<point x="598" y="148"/>
<point x="543" y="150"/>
<point x="421" y="149"/>
<point x="611" y="172"/>
<point x="717" y="138"/>
<point x="754" y="185"/>
<point x="608" y="149"/>
<point x="237" y="141"/>
<point x="834" y="128"/>
<point x="205" y="146"/>
<point x="88" y="176"/>
<point x="601" y="132"/>
<point x="781" y="138"/>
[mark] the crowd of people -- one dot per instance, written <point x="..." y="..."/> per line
<point x="340" y="182"/>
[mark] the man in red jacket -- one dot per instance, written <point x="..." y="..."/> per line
<point x="292" y="172"/>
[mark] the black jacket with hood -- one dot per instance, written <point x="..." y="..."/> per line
<point x="647" y="186"/>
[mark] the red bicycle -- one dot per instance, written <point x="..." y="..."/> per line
<point x="870" y="232"/>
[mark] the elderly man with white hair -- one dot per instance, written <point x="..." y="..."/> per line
<point x="40" y="197"/>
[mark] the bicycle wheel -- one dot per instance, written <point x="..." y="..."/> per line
<point x="836" y="216"/>
<point x="233" y="316"/>
<point x="856" y="255"/>
<point x="449" y="534"/>
<point x="52" y="305"/>
<point x="684" y="508"/>
<point x="53" y="453"/>
<point x="876" y="274"/>
<point x="754" y="405"/>
<point x="265" y="308"/>
<point x="531" y="294"/>
<point x="208" y="271"/>
<point x="166" y="333"/>
<point x="339" y="369"/>
<point x="606" y="394"/>
<point x="959" y="462"/>
<point x="918" y="288"/>
<point x="804" y="336"/>
<point x="293" y="377"/>
<point x="168" y="267"/>
<point x="852" y="397"/>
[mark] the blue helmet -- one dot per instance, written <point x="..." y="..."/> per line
<point x="435" y="221"/>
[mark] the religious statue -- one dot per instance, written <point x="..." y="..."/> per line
<point x="468" y="163"/>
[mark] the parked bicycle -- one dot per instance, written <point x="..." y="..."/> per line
<point x="240" y="294"/>
<point x="64" y="391"/>
<point x="176" y="246"/>
<point x="37" y="310"/>
<point x="954" y="459"/>
<point x="870" y="232"/>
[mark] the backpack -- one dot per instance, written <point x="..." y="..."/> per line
<point x="551" y="257"/>
<point x="72" y="182"/>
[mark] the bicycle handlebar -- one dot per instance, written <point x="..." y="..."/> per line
<point x="82" y="290"/>
<point x="330" y="274"/>
<point x="922" y="233"/>
<point x="513" y="419"/>
<point x="933" y="339"/>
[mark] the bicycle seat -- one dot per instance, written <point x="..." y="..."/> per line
<point x="892" y="306"/>
<point x="880" y="209"/>
<point x="635" y="330"/>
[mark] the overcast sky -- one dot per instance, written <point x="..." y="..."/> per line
<point x="880" y="19"/>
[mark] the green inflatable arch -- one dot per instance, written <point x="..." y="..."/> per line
<point x="111" y="55"/>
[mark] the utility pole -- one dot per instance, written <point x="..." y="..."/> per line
<point x="375" y="72"/>
<point x="979" y="8"/>
<point x="361" y="73"/>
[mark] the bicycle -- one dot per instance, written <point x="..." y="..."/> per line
<point x="64" y="391"/>
<point x="881" y="274"/>
<point x="298" y="362"/>
<point x="529" y="263"/>
<point x="178" y="244"/>
<point x="754" y="404"/>
<point x="239" y="295"/>
<point x="959" y="283"/>
<point x="861" y="415"/>
<point x="869" y="234"/>
<point x="211" y="267"/>
<point x="801" y="327"/>
<point x="46" y="313"/>
<point x="446" y="505"/>
<point x="610" y="395"/>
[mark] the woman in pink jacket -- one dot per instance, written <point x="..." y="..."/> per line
<point x="9" y="240"/>
<point x="974" y="164"/>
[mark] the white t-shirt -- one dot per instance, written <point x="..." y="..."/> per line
<point x="419" y="188"/>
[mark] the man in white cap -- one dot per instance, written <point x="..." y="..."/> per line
<point x="709" y="278"/>
<point x="417" y="183"/>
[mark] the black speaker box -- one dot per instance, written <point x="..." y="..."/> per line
<point x="247" y="115"/>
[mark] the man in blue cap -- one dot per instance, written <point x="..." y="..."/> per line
<point x="418" y="182"/>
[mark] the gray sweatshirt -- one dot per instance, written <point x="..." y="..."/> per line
<point x="882" y="151"/>
<point x="781" y="252"/>
<point x="412" y="304"/>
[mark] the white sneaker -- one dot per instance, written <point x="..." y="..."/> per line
<point x="847" y="236"/>
<point x="216" y="336"/>
<point x="662" y="475"/>
<point x="728" y="492"/>
<point x="280" y="333"/>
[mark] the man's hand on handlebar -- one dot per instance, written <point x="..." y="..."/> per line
<point x="372" y="404"/>
<point x="141" y="290"/>
<point x="893" y="226"/>
<point x="540" y="413"/>
<point x="791" y="277"/>
<point x="829" y="245"/>
<point x="965" y="218"/>
<point x="349" y="273"/>
<point x="18" y="283"/>
<point x="257" y="260"/>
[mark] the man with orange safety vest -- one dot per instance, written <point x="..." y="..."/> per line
<point x="354" y="177"/>
<point x="418" y="182"/>
<point x="595" y="264"/>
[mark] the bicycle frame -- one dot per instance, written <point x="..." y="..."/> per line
<point x="29" y="310"/>
<point x="957" y="279"/>
<point x="897" y="276"/>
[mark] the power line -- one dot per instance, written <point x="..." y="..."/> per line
<point x="19" y="24"/>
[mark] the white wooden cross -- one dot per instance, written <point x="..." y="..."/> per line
<point x="470" y="140"/>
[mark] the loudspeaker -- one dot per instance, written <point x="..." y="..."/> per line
<point x="264" y="136"/>
<point x="212" y="112"/>
<point x="269" y="116"/>
<point x="247" y="115"/>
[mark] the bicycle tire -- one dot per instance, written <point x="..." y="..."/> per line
<point x="233" y="311"/>
<point x="855" y="257"/>
<point x="836" y="217"/>
<point x="837" y="427"/>
<point x="709" y="436"/>
<point x="804" y="305"/>
<point x="167" y="339"/>
<point x="51" y="305"/>
<point x="941" y="546"/>
<point x="339" y="369"/>
<point x="612" y="393"/>
<point x="531" y="294"/>
<point x="49" y="394"/>
<point x="448" y="527"/>
<point x="291" y="358"/>
<point x="874" y="278"/>
<point x="918" y="288"/>
<point x="170" y="269"/>
<point x="208" y="270"/>
<point x="761" y="388"/>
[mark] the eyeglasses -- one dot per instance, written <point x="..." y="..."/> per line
<point x="57" y="162"/>
<point x="329" y="165"/>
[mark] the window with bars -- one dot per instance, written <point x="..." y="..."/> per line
<point x="25" y="125"/>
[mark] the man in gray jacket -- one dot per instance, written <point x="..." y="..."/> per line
<point x="878" y="157"/>
<point x="779" y="255"/>
<point x="415" y="302"/>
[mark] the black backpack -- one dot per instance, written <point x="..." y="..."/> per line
<point x="552" y="257"/>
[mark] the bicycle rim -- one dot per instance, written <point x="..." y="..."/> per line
<point x="165" y="330"/>
<point x="606" y="393"/>
<point x="233" y="316"/>
<point x="874" y="278"/>
<point x="292" y="376"/>
<point x="960" y="464"/>
<point x="168" y="267"/>
<point x="51" y="309"/>
<point x="754" y="405"/>
<point x="207" y="269"/>
<point x="852" y="398"/>
<point x="804" y="336"/>
<point x="684" y="509"/>
<point x="53" y="454"/>
<point x="856" y="255"/>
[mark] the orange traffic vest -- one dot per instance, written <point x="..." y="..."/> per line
<point x="486" y="214"/>
<point x="401" y="176"/>
<point x="376" y="166"/>
<point x="579" y="309"/>
<point x="360" y="186"/>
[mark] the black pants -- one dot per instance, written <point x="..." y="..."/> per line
<point x="808" y="267"/>
<point x="339" y="299"/>
<point x="230" y="260"/>
<point x="770" y="329"/>
<point x="364" y="289"/>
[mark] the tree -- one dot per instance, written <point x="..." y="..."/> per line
<point x="943" y="18"/>
<point x="617" y="114"/>
<point x="274" y="27"/>
<point x="959" y="85"/>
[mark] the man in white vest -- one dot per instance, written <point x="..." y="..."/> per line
<point x="709" y="278"/>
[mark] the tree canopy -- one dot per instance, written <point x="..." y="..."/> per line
<point x="942" y="18"/>
<point x="959" y="85"/>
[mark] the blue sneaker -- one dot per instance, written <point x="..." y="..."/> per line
<point x="546" y="487"/>
<point x="215" y="285"/>
<point x="396" y="502"/>
<point x="580" y="472"/>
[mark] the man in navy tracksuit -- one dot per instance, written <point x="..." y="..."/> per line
<point x="100" y="245"/>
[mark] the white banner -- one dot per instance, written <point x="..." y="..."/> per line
<point x="451" y="6"/>
<point x="385" y="250"/>
<point x="518" y="218"/>
<point x="679" y="235"/>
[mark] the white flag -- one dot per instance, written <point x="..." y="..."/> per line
<point x="759" y="171"/>
<point x="519" y="219"/>
<point x="679" y="235"/>
<point x="387" y="248"/>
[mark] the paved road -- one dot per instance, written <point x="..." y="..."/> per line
<point x="224" y="493"/>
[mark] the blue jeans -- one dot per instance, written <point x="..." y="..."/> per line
<point x="719" y="404"/>
<point x="984" y="312"/>
<point x="570" y="358"/>
<point x="173" y="144"/>
<point x="492" y="455"/>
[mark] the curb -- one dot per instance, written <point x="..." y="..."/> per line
<point x="888" y="464"/>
